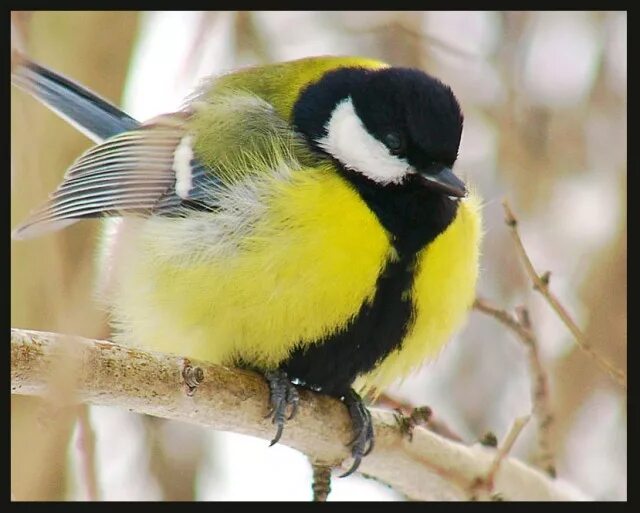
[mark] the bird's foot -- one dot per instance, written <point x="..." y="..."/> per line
<point x="283" y="396"/>
<point x="362" y="443"/>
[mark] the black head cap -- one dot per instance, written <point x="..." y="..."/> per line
<point x="418" y="109"/>
<point x="414" y="114"/>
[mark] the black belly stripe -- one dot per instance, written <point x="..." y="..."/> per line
<point x="332" y="363"/>
<point x="413" y="216"/>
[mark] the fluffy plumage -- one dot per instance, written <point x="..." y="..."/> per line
<point x="263" y="225"/>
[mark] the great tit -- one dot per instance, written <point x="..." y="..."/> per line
<point x="299" y="218"/>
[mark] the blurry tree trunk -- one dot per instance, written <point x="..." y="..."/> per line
<point x="51" y="277"/>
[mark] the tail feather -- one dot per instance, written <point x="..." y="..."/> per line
<point x="92" y="115"/>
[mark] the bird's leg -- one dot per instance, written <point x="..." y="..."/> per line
<point x="362" y="443"/>
<point x="283" y="394"/>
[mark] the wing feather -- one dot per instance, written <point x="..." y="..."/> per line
<point x="153" y="169"/>
<point x="127" y="174"/>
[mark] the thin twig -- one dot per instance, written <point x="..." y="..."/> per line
<point x="86" y="448"/>
<point x="541" y="284"/>
<point x="540" y="397"/>
<point x="506" y="318"/>
<point x="431" y="421"/>
<point x="487" y="482"/>
<point x="520" y="324"/>
<point x="506" y="446"/>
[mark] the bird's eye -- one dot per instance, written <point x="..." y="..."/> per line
<point x="394" y="142"/>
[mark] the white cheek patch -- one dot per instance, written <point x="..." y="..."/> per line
<point x="349" y="141"/>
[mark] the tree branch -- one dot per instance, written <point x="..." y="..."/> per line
<point x="430" y="421"/>
<point x="487" y="482"/>
<point x="541" y="284"/>
<point x="427" y="467"/>
<point x="520" y="324"/>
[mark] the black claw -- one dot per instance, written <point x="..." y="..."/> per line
<point x="355" y="438"/>
<point x="278" y="435"/>
<point x="354" y="467"/>
<point x="283" y="395"/>
<point x="370" y="448"/>
<point x="294" y="410"/>
<point x="370" y="435"/>
<point x="292" y="400"/>
<point x="363" y="442"/>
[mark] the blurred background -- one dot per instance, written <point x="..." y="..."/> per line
<point x="545" y="102"/>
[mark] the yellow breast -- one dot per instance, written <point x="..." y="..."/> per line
<point x="303" y="269"/>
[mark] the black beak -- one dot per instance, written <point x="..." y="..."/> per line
<point x="440" y="178"/>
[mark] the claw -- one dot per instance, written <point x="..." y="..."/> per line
<point x="278" y="435"/>
<point x="293" y="398"/>
<point x="354" y="467"/>
<point x="294" y="410"/>
<point x="370" y="448"/>
<point x="363" y="442"/>
<point x="355" y="438"/>
<point x="283" y="395"/>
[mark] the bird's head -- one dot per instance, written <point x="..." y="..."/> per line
<point x="391" y="125"/>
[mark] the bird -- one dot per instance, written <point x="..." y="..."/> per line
<point x="300" y="218"/>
